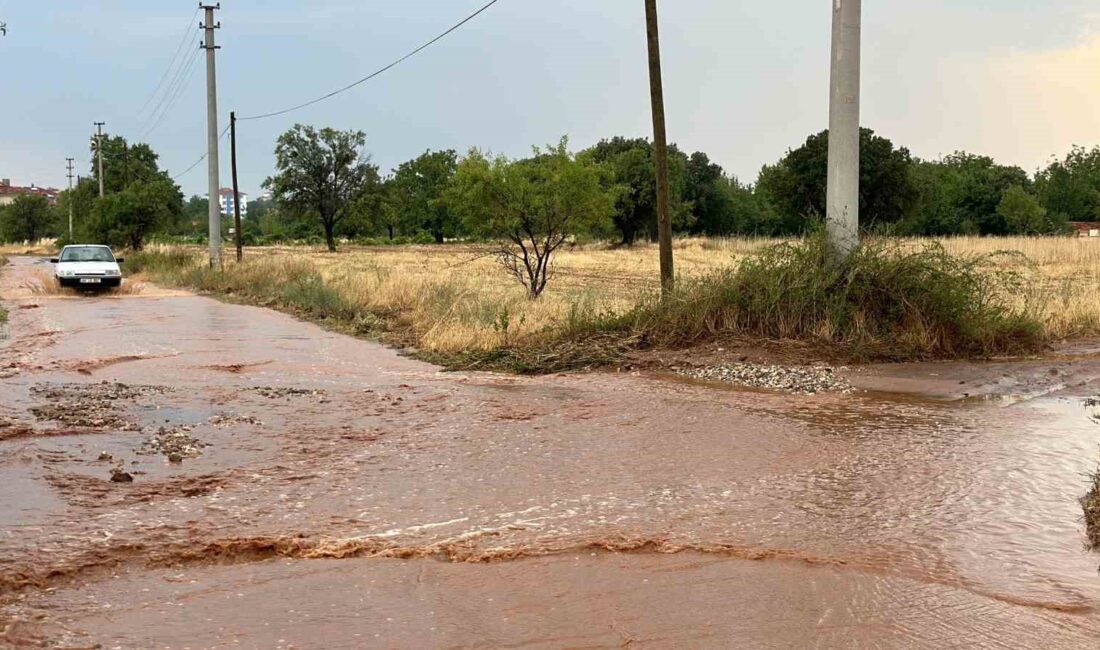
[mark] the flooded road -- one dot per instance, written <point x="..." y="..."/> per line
<point x="290" y="487"/>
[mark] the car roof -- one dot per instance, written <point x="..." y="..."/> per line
<point x="87" y="246"/>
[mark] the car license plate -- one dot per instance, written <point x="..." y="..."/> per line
<point x="89" y="280"/>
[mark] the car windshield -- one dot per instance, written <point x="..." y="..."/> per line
<point x="87" y="254"/>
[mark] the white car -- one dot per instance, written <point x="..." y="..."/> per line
<point x="88" y="267"/>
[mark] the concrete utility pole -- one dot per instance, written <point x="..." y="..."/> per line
<point x="660" y="146"/>
<point x="842" y="201"/>
<point x="99" y="153"/>
<point x="70" y="165"/>
<point x="214" y="211"/>
<point x="236" y="190"/>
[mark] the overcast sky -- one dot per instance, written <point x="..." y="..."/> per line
<point x="745" y="81"/>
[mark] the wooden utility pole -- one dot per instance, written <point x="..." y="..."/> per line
<point x="70" y="166"/>
<point x="214" y="213"/>
<point x="236" y="190"/>
<point x="842" y="200"/>
<point x="99" y="153"/>
<point x="660" y="147"/>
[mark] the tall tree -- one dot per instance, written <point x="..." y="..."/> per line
<point x="961" y="194"/>
<point x="631" y="163"/>
<point x="320" y="173"/>
<point x="127" y="218"/>
<point x="796" y="185"/>
<point x="416" y="192"/>
<point x="82" y="197"/>
<point x="28" y="218"/>
<point x="1070" y="188"/>
<point x="706" y="188"/>
<point x="125" y="163"/>
<point x="193" y="218"/>
<point x="1023" y="214"/>
<point x="531" y="207"/>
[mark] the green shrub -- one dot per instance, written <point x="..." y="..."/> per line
<point x="1091" y="506"/>
<point x="885" y="302"/>
<point x="159" y="262"/>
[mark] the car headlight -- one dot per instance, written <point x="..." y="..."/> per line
<point x="114" y="273"/>
<point x="66" y="273"/>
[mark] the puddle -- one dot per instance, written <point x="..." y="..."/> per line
<point x="443" y="509"/>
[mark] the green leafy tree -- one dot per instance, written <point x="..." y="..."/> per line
<point x="632" y="167"/>
<point x="1023" y="214"/>
<point x="961" y="194"/>
<point x="374" y="212"/>
<point x="124" y="164"/>
<point x="193" y="217"/>
<point x="1070" y="188"/>
<point x="82" y="198"/>
<point x="128" y="217"/>
<point x="320" y="173"/>
<point x="416" y="194"/>
<point x="706" y="188"/>
<point x="531" y="207"/>
<point x="796" y="185"/>
<point x="27" y="218"/>
<point x="747" y="212"/>
<point x="722" y="205"/>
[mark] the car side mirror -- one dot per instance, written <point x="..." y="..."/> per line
<point x="120" y="260"/>
<point x="54" y="260"/>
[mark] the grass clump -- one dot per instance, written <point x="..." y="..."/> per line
<point x="887" y="301"/>
<point x="295" y="286"/>
<point x="1091" y="505"/>
<point x="3" y="311"/>
<point x="161" y="261"/>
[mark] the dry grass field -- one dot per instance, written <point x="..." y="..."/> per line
<point x="456" y="298"/>
<point x="1066" y="278"/>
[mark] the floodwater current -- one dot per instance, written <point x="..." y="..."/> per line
<point x="292" y="487"/>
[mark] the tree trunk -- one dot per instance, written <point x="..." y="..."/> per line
<point x="389" y="227"/>
<point x="629" y="235"/>
<point x="330" y="237"/>
<point x="438" y="236"/>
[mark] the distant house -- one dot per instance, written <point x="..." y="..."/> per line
<point x="1086" y="228"/>
<point x="225" y="200"/>
<point x="9" y="192"/>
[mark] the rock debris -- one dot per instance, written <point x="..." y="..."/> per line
<point x="801" y="380"/>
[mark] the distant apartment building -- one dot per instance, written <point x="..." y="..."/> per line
<point x="225" y="199"/>
<point x="9" y="192"/>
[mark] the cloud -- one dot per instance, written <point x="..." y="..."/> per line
<point x="1019" y="107"/>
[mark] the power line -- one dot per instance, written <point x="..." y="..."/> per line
<point x="201" y="158"/>
<point x="175" y="94"/>
<point x="170" y="91"/>
<point x="171" y="64"/>
<point x="377" y="72"/>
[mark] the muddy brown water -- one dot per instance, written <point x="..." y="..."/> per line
<point x="346" y="496"/>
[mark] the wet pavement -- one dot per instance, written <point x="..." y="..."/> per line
<point x="298" y="488"/>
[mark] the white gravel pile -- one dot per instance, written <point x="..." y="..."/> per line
<point x="801" y="380"/>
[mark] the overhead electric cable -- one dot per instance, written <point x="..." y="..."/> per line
<point x="375" y="73"/>
<point x="185" y="80"/>
<point x="201" y="158"/>
<point x="171" y="64"/>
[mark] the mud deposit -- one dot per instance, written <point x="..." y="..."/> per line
<point x="296" y="488"/>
